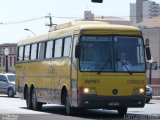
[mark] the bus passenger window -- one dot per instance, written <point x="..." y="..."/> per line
<point x="20" y="53"/>
<point x="49" y="48"/>
<point x="33" y="51"/>
<point x="26" y="52"/>
<point x="41" y="48"/>
<point x="58" y="48"/>
<point x="67" y="44"/>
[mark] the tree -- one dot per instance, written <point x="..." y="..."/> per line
<point x="2" y="70"/>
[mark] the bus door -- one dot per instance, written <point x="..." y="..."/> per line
<point x="74" y="72"/>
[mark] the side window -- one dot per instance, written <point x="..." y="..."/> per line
<point x="41" y="50"/>
<point x="3" y="78"/>
<point x="49" y="49"/>
<point x="58" y="48"/>
<point x="20" y="53"/>
<point x="74" y="45"/>
<point x="26" y="52"/>
<point x="67" y="46"/>
<point x="33" y="51"/>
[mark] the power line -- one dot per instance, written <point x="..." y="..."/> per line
<point x="57" y="17"/>
<point x="68" y="17"/>
<point x="22" y="21"/>
<point x="34" y="19"/>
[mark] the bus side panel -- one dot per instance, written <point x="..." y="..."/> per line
<point x="20" y="80"/>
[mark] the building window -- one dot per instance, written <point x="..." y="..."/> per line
<point x="10" y="60"/>
<point x="14" y="50"/>
<point x="14" y="61"/>
<point x="0" y="61"/>
<point x="10" y="50"/>
<point x="4" y="61"/>
<point x="3" y="50"/>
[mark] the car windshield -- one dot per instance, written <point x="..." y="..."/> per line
<point x="112" y="53"/>
<point x="11" y="78"/>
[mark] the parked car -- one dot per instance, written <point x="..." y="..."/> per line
<point x="149" y="93"/>
<point x="7" y="84"/>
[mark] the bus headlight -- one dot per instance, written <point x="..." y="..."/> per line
<point x="89" y="90"/>
<point x="86" y="90"/>
<point x="137" y="91"/>
<point x="141" y="90"/>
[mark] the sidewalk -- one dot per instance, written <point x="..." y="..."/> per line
<point x="155" y="97"/>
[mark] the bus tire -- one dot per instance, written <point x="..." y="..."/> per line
<point x="68" y="108"/>
<point x="28" y="99"/>
<point x="36" y="105"/>
<point x="122" y="111"/>
<point x="147" y="101"/>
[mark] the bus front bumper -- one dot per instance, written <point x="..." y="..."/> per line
<point x="110" y="102"/>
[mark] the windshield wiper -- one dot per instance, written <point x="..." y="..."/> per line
<point x="109" y="60"/>
<point x="130" y="72"/>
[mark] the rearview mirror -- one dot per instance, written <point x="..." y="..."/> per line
<point x="148" y="53"/>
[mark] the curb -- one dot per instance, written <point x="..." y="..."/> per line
<point x="155" y="97"/>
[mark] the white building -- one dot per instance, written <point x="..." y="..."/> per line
<point x="88" y="15"/>
<point x="150" y="10"/>
<point x="11" y="57"/>
<point x="143" y="10"/>
<point x="151" y="30"/>
<point x="133" y="13"/>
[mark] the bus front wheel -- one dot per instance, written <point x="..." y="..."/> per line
<point x="122" y="111"/>
<point x="68" y="108"/>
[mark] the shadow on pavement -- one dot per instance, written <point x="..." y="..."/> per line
<point x="89" y="114"/>
<point x="84" y="114"/>
<point x="6" y="96"/>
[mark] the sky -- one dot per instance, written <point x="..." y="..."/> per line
<point x="17" y="15"/>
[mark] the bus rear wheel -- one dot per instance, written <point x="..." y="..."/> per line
<point x="36" y="105"/>
<point x="28" y="99"/>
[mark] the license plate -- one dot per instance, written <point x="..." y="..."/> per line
<point x="113" y="103"/>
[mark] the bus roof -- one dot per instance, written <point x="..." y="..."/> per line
<point x="92" y="25"/>
<point x="68" y="29"/>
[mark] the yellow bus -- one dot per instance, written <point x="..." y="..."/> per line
<point x="78" y="65"/>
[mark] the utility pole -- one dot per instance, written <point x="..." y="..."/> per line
<point x="50" y="24"/>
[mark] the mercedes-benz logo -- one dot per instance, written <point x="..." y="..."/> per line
<point x="115" y="91"/>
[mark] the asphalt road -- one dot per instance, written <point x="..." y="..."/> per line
<point x="15" y="109"/>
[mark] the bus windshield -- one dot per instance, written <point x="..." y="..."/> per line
<point x="112" y="53"/>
